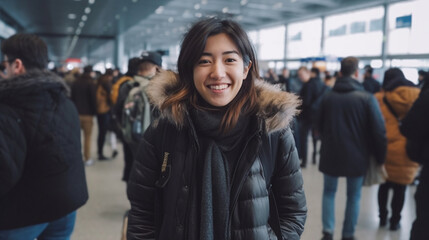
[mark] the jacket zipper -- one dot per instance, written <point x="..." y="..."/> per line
<point x="234" y="203"/>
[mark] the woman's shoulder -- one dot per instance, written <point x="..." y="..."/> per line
<point x="277" y="108"/>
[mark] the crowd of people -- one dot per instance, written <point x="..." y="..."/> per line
<point x="211" y="150"/>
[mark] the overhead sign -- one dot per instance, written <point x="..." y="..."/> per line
<point x="404" y="21"/>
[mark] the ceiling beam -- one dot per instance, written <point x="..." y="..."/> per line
<point x="61" y="35"/>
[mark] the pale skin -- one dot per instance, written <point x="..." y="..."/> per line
<point x="14" y="68"/>
<point x="220" y="71"/>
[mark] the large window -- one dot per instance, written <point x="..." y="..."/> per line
<point x="272" y="43"/>
<point x="408" y="28"/>
<point x="304" y="39"/>
<point x="358" y="33"/>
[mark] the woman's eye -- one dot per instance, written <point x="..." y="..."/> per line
<point x="229" y="60"/>
<point x="203" y="61"/>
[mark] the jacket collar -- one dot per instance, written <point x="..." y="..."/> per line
<point x="32" y="81"/>
<point x="275" y="107"/>
<point x="347" y="84"/>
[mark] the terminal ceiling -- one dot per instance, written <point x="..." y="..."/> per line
<point x="77" y="28"/>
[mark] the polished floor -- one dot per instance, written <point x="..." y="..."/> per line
<point x="101" y="217"/>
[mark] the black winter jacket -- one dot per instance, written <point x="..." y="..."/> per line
<point x="249" y="208"/>
<point x="41" y="171"/>
<point x="309" y="93"/>
<point x="415" y="126"/>
<point x="351" y="127"/>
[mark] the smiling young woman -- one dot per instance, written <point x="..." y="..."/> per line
<point x="222" y="151"/>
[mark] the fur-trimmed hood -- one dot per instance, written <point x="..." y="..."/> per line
<point x="32" y="81"/>
<point x="276" y="107"/>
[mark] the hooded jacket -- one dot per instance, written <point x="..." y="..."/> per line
<point x="41" y="171"/>
<point x="352" y="128"/>
<point x="400" y="169"/>
<point x="249" y="206"/>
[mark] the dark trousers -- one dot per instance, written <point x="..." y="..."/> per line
<point x="420" y="229"/>
<point x="304" y="130"/>
<point x="103" y="126"/>
<point x="397" y="201"/>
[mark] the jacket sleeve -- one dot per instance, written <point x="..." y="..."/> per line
<point x="415" y="124"/>
<point x="288" y="188"/>
<point x="12" y="153"/>
<point x="377" y="130"/>
<point x="142" y="190"/>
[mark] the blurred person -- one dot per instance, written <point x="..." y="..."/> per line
<point x="311" y="90"/>
<point x="42" y="178"/>
<point x="104" y="84"/>
<point x="351" y="127"/>
<point x="271" y="77"/>
<point x="226" y="124"/>
<point x="83" y="95"/>
<point x="423" y="77"/>
<point x="329" y="79"/>
<point x="415" y="127"/>
<point x="71" y="76"/>
<point x="284" y="80"/>
<point x="118" y="95"/>
<point x="395" y="100"/>
<point x="369" y="83"/>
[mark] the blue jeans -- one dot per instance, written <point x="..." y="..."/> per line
<point x="354" y="186"/>
<point x="60" y="229"/>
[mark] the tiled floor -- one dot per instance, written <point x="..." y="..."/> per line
<point x="101" y="217"/>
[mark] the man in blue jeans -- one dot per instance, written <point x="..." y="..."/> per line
<point x="42" y="178"/>
<point x="352" y="129"/>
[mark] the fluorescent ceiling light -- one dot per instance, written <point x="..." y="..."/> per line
<point x="159" y="10"/>
<point x="72" y="16"/>
<point x="87" y="10"/>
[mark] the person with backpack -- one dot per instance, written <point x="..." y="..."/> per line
<point x="396" y="98"/>
<point x="137" y="113"/>
<point x="220" y="162"/>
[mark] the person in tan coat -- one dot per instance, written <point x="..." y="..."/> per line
<point x="396" y="99"/>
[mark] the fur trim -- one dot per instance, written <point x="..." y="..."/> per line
<point x="34" y="79"/>
<point x="276" y="107"/>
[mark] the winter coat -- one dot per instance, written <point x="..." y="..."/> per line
<point x="310" y="91"/>
<point x="371" y="85"/>
<point x="83" y="95"/>
<point x="351" y="127"/>
<point x="103" y="95"/>
<point x="399" y="167"/>
<point x="249" y="207"/>
<point x="42" y="176"/>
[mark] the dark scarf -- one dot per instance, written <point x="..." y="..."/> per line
<point x="218" y="157"/>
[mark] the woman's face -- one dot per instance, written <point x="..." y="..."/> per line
<point x="220" y="71"/>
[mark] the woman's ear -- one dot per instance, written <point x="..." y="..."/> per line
<point x="246" y="70"/>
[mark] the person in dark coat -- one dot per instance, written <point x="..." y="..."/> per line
<point x="42" y="178"/>
<point x="311" y="90"/>
<point x="232" y="147"/>
<point x="369" y="83"/>
<point x="415" y="127"/>
<point x="352" y="128"/>
<point x="84" y="97"/>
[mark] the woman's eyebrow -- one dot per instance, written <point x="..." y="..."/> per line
<point x="224" y="53"/>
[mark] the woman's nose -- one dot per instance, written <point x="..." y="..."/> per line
<point x="217" y="71"/>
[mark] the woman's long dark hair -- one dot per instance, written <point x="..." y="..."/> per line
<point x="192" y="48"/>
